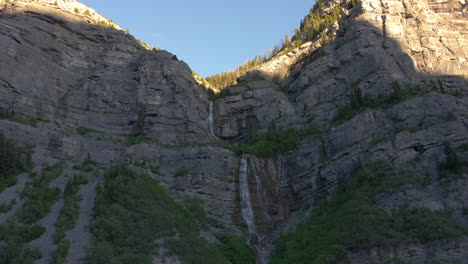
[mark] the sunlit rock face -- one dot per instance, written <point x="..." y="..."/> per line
<point x="94" y="90"/>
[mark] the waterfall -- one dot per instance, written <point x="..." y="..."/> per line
<point x="246" y="206"/>
<point x="259" y="186"/>
<point x="211" y="120"/>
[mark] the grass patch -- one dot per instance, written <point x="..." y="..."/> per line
<point x="463" y="147"/>
<point x="452" y="164"/>
<point x="378" y="140"/>
<point x="132" y="211"/>
<point x="21" y="118"/>
<point x="84" y="130"/>
<point x="237" y="250"/>
<point x="350" y="220"/>
<point x="212" y="96"/>
<point x="14" y="236"/>
<point x="11" y="163"/>
<point x="59" y="255"/>
<point x="40" y="196"/>
<point x="360" y="102"/>
<point x="87" y="165"/>
<point x="155" y="169"/>
<point x="5" y="207"/>
<point x="138" y="139"/>
<point x="182" y="172"/>
<point x="71" y="207"/>
<point x="276" y="141"/>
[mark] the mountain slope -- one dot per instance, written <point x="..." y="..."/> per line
<point x="389" y="83"/>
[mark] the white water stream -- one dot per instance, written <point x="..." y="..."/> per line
<point x="211" y="119"/>
<point x="246" y="205"/>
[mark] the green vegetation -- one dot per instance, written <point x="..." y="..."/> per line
<point x="314" y="24"/>
<point x="276" y="141"/>
<point x="138" y="139"/>
<point x="109" y="24"/>
<point x="452" y="162"/>
<point x="87" y="165"/>
<point x="132" y="211"/>
<point x="350" y="220"/>
<point x="59" y="256"/>
<point x="14" y="236"/>
<point x="360" y="102"/>
<point x="317" y="22"/>
<point x="76" y="10"/>
<point x="212" y="96"/>
<point x="229" y="78"/>
<point x="21" y="118"/>
<point x="378" y="140"/>
<point x="87" y="13"/>
<point x="5" y="207"/>
<point x="463" y="147"/>
<point x="237" y="250"/>
<point x="40" y="196"/>
<point x="10" y="164"/>
<point x="271" y="143"/>
<point x="142" y="43"/>
<point x="84" y="130"/>
<point x="465" y="210"/>
<point x="70" y="210"/>
<point x="154" y="169"/>
<point x="182" y="172"/>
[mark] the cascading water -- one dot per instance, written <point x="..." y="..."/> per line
<point x="256" y="239"/>
<point x="211" y="119"/>
<point x="246" y="205"/>
<point x="259" y="186"/>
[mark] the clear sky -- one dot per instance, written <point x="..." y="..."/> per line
<point x="212" y="36"/>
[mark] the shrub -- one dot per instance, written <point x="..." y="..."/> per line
<point x="358" y="101"/>
<point x="155" y="169"/>
<point x="8" y="162"/>
<point x="40" y="196"/>
<point x="212" y="96"/>
<point x="59" y="256"/>
<point x="423" y="225"/>
<point x="13" y="237"/>
<point x="276" y="141"/>
<point x="84" y="130"/>
<point x="87" y="165"/>
<point x="133" y="211"/>
<point x="237" y="250"/>
<point x="351" y="220"/>
<point x="70" y="211"/>
<point x="182" y="172"/>
<point x="4" y="207"/>
<point x="452" y="162"/>
<point x="13" y="160"/>
<point x="138" y="139"/>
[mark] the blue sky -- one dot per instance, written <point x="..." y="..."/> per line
<point x="212" y="36"/>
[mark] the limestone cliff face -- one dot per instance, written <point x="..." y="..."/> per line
<point x="88" y="73"/>
<point x="71" y="73"/>
<point x="375" y="45"/>
<point x="72" y="9"/>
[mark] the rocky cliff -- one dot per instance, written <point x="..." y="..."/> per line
<point x="387" y="81"/>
